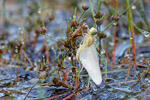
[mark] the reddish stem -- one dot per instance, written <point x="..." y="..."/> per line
<point x="21" y="56"/>
<point x="18" y="78"/>
<point x="54" y="97"/>
<point x="65" y="78"/>
<point x="47" y="52"/>
<point x="69" y="96"/>
<point x="115" y="44"/>
<point x="106" y="53"/>
<point x="116" y="6"/>
<point x="25" y="55"/>
<point x="35" y="41"/>
<point x="77" y="82"/>
<point x="133" y="48"/>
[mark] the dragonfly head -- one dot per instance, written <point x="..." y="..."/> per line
<point x="92" y="31"/>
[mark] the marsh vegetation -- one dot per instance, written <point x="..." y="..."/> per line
<point x="48" y="51"/>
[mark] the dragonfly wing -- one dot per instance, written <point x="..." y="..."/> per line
<point x="89" y="60"/>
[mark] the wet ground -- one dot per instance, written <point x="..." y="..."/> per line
<point x="25" y="73"/>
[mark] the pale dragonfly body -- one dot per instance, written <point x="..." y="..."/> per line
<point x="88" y="56"/>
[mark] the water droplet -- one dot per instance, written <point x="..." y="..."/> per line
<point x="102" y="51"/>
<point x="133" y="7"/>
<point x="21" y="32"/>
<point x="131" y="38"/>
<point x="111" y="43"/>
<point x="114" y="23"/>
<point x="22" y="42"/>
<point x="19" y="28"/>
<point x="39" y="11"/>
<point x="146" y="34"/>
<point x="16" y="50"/>
<point x="69" y="58"/>
<point x="35" y="64"/>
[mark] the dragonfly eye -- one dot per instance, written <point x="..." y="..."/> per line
<point x="94" y="33"/>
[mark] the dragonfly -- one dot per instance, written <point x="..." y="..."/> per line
<point x="88" y="56"/>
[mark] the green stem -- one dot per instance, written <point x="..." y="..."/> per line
<point x="92" y="10"/>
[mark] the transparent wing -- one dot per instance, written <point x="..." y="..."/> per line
<point x="89" y="60"/>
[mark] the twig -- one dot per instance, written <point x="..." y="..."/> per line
<point x="27" y="58"/>
<point x="30" y="91"/>
<point x="123" y="82"/>
<point x="54" y="97"/>
<point x="69" y="96"/>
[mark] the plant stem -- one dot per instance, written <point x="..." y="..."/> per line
<point x="92" y="10"/>
<point x="131" y="30"/>
<point x="116" y="6"/>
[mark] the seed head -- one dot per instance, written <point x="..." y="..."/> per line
<point x="102" y="35"/>
<point x="74" y="23"/>
<point x="115" y="18"/>
<point x="99" y="21"/>
<point x="85" y="7"/>
<point x="51" y="18"/>
<point x="2" y="43"/>
<point x="37" y="31"/>
<point x="43" y="30"/>
<point x="98" y="15"/>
